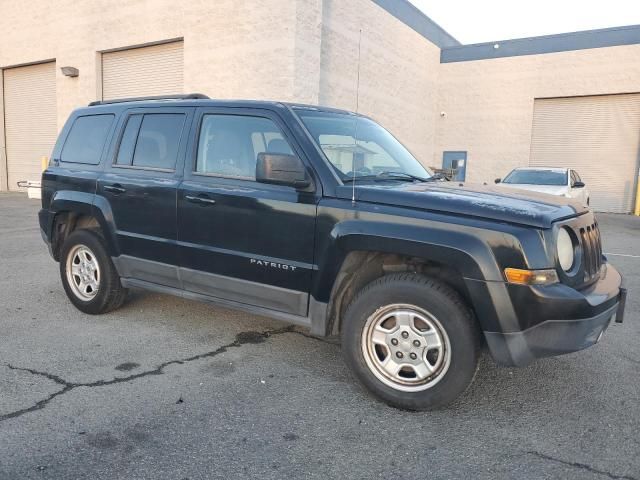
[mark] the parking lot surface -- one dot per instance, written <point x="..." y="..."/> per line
<point x="170" y="388"/>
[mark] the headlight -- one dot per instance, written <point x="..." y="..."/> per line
<point x="565" y="249"/>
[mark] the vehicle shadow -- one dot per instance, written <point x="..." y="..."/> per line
<point x="543" y="384"/>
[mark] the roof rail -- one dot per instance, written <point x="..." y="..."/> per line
<point x="188" y="96"/>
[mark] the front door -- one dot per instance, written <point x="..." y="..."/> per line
<point x="577" y="192"/>
<point x="139" y="184"/>
<point x="240" y="240"/>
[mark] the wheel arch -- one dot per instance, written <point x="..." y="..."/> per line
<point x="72" y="210"/>
<point x="355" y="258"/>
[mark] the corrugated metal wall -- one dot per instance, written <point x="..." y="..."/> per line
<point x="138" y="72"/>
<point x="30" y="119"/>
<point x="599" y="136"/>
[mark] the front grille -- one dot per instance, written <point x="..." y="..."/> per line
<point x="591" y="250"/>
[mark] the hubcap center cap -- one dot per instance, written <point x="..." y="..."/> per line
<point x="406" y="342"/>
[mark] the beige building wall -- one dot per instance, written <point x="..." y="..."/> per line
<point x="488" y="104"/>
<point x="231" y="49"/>
<point x="290" y="50"/>
<point x="3" y="148"/>
<point x="398" y="71"/>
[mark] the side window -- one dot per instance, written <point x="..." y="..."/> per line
<point x="128" y="141"/>
<point x="229" y="144"/>
<point x="151" y="140"/>
<point x="86" y="140"/>
<point x="158" y="140"/>
<point x="578" y="179"/>
<point x="574" y="177"/>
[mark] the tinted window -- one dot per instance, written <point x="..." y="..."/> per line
<point x="537" y="177"/>
<point x="86" y="139"/>
<point x="128" y="141"/>
<point x="229" y="144"/>
<point x="158" y="140"/>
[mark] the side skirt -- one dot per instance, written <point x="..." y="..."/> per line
<point x="265" y="312"/>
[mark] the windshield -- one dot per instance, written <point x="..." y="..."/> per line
<point x="537" y="177"/>
<point x="359" y="147"/>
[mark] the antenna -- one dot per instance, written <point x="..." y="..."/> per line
<point x="355" y="134"/>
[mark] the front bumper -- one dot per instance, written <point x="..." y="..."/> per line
<point x="584" y="318"/>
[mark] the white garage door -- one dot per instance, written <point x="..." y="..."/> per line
<point x="145" y="71"/>
<point x="599" y="136"/>
<point x="30" y="119"/>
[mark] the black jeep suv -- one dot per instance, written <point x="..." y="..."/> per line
<point x="321" y="218"/>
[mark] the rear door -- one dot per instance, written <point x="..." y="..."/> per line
<point x="241" y="240"/>
<point x="140" y="183"/>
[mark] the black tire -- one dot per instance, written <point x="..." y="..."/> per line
<point x="453" y="316"/>
<point x="110" y="294"/>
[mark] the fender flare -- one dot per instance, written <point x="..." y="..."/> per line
<point x="461" y="248"/>
<point x="86" y="204"/>
<point x="471" y="256"/>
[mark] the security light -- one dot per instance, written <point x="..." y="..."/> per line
<point x="70" y="71"/>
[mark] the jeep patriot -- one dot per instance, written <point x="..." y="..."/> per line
<point x="321" y="218"/>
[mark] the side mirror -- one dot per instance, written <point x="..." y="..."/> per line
<point x="281" y="169"/>
<point x="578" y="185"/>
<point x="497" y="180"/>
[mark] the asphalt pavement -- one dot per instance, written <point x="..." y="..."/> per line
<point x="166" y="388"/>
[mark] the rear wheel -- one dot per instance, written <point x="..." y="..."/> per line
<point x="89" y="278"/>
<point x="411" y="341"/>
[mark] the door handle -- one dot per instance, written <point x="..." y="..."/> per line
<point x="116" y="188"/>
<point x="200" y="200"/>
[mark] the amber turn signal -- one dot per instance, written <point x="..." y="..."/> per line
<point x="530" y="277"/>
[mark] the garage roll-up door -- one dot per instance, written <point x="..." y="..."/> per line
<point x="145" y="71"/>
<point x="30" y="119"/>
<point x="599" y="136"/>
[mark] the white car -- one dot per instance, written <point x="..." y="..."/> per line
<point x="554" y="181"/>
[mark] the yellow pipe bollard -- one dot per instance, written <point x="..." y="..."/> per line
<point x="637" y="210"/>
<point x="44" y="163"/>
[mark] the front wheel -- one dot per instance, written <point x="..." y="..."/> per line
<point x="411" y="341"/>
<point x="88" y="275"/>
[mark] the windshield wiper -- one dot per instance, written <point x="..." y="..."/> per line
<point x="390" y="175"/>
<point x="403" y="176"/>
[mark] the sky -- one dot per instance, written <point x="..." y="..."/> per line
<point x="475" y="21"/>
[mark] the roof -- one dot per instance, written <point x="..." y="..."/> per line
<point x="549" y="169"/>
<point x="197" y="100"/>
<point x="562" y="42"/>
<point x="453" y="51"/>
<point x="415" y="18"/>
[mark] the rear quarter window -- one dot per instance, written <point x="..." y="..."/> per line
<point x="87" y="139"/>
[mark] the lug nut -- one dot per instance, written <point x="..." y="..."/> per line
<point x="405" y="334"/>
<point x="394" y="341"/>
<point x="413" y="356"/>
<point x="399" y="354"/>
<point x="416" y="343"/>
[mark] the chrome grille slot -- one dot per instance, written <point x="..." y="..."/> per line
<point x="592" y="250"/>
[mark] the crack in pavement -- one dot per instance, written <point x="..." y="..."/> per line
<point x="241" y="339"/>
<point x="582" y="466"/>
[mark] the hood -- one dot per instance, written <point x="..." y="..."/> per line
<point x="482" y="201"/>
<point x="548" y="189"/>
